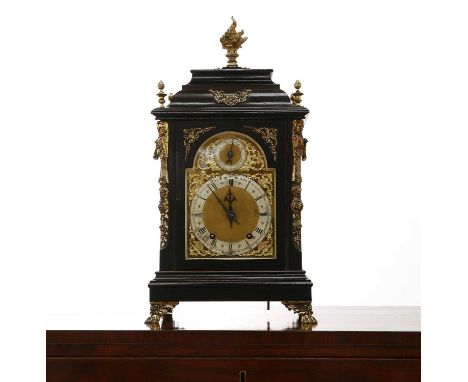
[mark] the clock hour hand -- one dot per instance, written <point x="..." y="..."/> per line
<point x="230" y="213"/>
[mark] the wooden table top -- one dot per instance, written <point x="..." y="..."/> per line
<point x="244" y="316"/>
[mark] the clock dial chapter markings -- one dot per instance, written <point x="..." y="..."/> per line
<point x="237" y="196"/>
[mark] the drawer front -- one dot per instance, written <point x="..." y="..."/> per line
<point x="185" y="369"/>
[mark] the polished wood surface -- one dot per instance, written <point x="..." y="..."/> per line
<point x="389" y="350"/>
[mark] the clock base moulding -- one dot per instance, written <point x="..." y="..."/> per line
<point x="292" y="288"/>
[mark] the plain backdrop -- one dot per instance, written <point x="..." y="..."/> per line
<point x="360" y="220"/>
<point x="384" y="80"/>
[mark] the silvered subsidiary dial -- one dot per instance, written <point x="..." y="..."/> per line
<point x="230" y="154"/>
<point x="230" y="214"/>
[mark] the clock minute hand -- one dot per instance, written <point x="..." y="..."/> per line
<point x="220" y="202"/>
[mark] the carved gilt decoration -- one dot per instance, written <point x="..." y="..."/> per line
<point x="269" y="135"/>
<point x="298" y="146"/>
<point x="191" y="135"/>
<point x="161" y="152"/>
<point x="230" y="99"/>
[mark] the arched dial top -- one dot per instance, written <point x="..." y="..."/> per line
<point x="230" y="151"/>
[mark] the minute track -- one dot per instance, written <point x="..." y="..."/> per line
<point x="231" y="211"/>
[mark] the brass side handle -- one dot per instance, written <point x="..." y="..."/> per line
<point x="304" y="152"/>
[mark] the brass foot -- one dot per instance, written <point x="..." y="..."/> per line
<point x="157" y="310"/>
<point x="303" y="309"/>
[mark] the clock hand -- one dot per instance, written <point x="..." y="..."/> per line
<point x="230" y="154"/>
<point x="231" y="214"/>
<point x="220" y="202"/>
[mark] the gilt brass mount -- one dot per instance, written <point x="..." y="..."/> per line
<point x="230" y="99"/>
<point x="161" y="152"/>
<point x="232" y="41"/>
<point x="157" y="310"/>
<point x="303" y="309"/>
<point x="161" y="94"/>
<point x="296" y="97"/>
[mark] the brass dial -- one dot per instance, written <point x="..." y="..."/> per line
<point x="230" y="214"/>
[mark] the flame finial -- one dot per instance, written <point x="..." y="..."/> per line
<point x="232" y="41"/>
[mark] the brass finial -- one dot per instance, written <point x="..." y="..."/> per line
<point x="161" y="93"/>
<point x="232" y="41"/>
<point x="296" y="97"/>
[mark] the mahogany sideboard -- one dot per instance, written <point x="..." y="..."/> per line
<point x="348" y="344"/>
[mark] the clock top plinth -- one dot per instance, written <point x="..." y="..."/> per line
<point x="231" y="93"/>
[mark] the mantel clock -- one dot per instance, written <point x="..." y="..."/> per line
<point x="230" y="145"/>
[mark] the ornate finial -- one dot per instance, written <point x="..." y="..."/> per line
<point x="296" y="97"/>
<point x="161" y="93"/>
<point x="232" y="41"/>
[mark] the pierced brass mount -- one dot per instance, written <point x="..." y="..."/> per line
<point x="232" y="41"/>
<point x="230" y="99"/>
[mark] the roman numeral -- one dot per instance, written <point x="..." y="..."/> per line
<point x="201" y="197"/>
<point x="258" y="197"/>
<point x="259" y="230"/>
<point x="198" y="214"/>
<point x="264" y="214"/>
<point x="231" y="182"/>
<point x="230" y="247"/>
<point x="247" y="185"/>
<point x="213" y="242"/>
<point x="214" y="186"/>
<point x="202" y="230"/>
